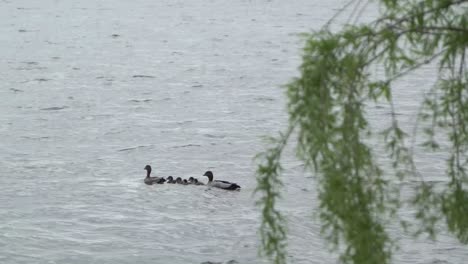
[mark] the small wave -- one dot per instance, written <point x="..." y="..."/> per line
<point x="27" y="8"/>
<point x="51" y="42"/>
<point x="26" y="30"/>
<point x="264" y="99"/>
<point x="214" y="136"/>
<point x="54" y="108"/>
<point x="35" y="138"/>
<point x="31" y="62"/>
<point x="228" y="262"/>
<point x="184" y="122"/>
<point x="142" y="76"/>
<point x="42" y="79"/>
<point x="133" y="148"/>
<point x="140" y="100"/>
<point x="30" y="68"/>
<point x="187" y="146"/>
<point x="391" y="114"/>
<point x="438" y="261"/>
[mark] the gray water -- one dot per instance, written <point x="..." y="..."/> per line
<point x="92" y="91"/>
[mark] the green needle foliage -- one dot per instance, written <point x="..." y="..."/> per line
<point x="327" y="110"/>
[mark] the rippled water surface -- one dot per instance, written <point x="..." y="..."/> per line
<point x="92" y="91"/>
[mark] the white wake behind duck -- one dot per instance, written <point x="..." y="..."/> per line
<point x="220" y="184"/>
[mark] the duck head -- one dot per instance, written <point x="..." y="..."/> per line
<point x="170" y="179"/>
<point x="191" y="179"/>
<point x="148" y="170"/>
<point x="209" y="174"/>
<point x="185" y="181"/>
<point x="178" y="180"/>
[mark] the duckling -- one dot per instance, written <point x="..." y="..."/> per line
<point x="196" y="182"/>
<point x="151" y="180"/>
<point x="220" y="184"/>
<point x="191" y="180"/>
<point x="178" y="180"/>
<point x="171" y="180"/>
<point x="185" y="182"/>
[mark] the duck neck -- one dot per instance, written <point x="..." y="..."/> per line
<point x="148" y="172"/>
<point x="210" y="178"/>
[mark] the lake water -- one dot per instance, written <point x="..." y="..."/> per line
<point x="92" y="91"/>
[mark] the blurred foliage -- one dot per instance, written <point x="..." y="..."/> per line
<point x="327" y="110"/>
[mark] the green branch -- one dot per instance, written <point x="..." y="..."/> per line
<point x="327" y="107"/>
<point x="272" y="230"/>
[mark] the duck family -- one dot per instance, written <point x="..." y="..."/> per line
<point x="191" y="181"/>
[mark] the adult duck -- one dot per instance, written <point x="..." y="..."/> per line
<point x="220" y="184"/>
<point x="152" y="180"/>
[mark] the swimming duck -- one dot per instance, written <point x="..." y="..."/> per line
<point x="151" y="180"/>
<point x="170" y="179"/>
<point x="220" y="184"/>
